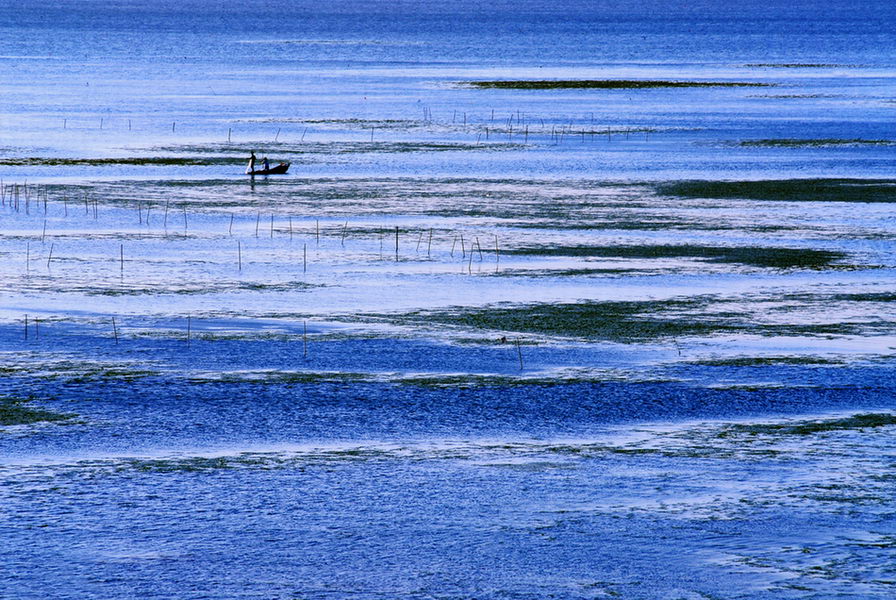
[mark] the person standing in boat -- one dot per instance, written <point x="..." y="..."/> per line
<point x="251" y="166"/>
<point x="265" y="164"/>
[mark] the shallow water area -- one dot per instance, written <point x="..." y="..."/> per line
<point x="620" y="325"/>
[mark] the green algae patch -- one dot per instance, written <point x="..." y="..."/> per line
<point x="606" y="84"/>
<point x="15" y="411"/>
<point x="112" y="374"/>
<point x="814" y="143"/>
<point x="539" y="273"/>
<point x="860" y="421"/>
<point x="798" y="65"/>
<point x="865" y="297"/>
<point x="789" y="190"/>
<point x="763" y="361"/>
<point x="281" y="377"/>
<point x="627" y="320"/>
<point x="494" y="381"/>
<point x="184" y="465"/>
<point x="757" y="256"/>
<point x="630" y="321"/>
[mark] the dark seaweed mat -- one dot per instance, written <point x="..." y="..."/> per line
<point x="779" y="258"/>
<point x="799" y="190"/>
<point x="13" y="411"/>
<point x="607" y="84"/>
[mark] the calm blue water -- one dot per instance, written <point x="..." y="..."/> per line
<point x="111" y="78"/>
<point x="238" y="467"/>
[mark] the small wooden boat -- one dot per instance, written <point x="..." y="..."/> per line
<point x="275" y="170"/>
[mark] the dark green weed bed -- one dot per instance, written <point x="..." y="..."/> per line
<point x="859" y="421"/>
<point x="792" y="190"/>
<point x="16" y="411"/>
<point x="620" y="321"/>
<point x="607" y="84"/>
<point x="813" y="143"/>
<point x="757" y="256"/>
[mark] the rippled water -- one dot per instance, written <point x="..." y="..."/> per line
<point x="479" y="343"/>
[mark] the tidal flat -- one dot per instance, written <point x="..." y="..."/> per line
<point x="585" y="302"/>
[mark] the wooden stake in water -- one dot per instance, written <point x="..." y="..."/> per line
<point x="290" y="228"/>
<point x="230" y="229"/>
<point x="114" y="330"/>
<point x="453" y="243"/>
<point x="27" y="258"/>
<point x="304" y="258"/>
<point x="50" y="257"/>
<point x="396" y="244"/>
<point x="185" y="220"/>
<point x="44" y="233"/>
<point x="429" y="244"/>
<point x="317" y="230"/>
<point x="305" y="339"/>
<point x="519" y="353"/>
<point x="257" y="223"/>
<point x="121" y="251"/>
<point x="239" y="256"/>
<point x="272" y="226"/>
<point x="166" y="215"/>
<point x="344" y="231"/>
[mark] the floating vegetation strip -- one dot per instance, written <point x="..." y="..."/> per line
<point x="814" y="143"/>
<point x="795" y="96"/>
<point x="14" y="411"/>
<point x="860" y="421"/>
<point x="764" y="361"/>
<point x="794" y="190"/>
<point x="797" y="65"/>
<point x="624" y="320"/>
<point x="607" y="84"/>
<point x="758" y="256"/>
<point x="619" y="321"/>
